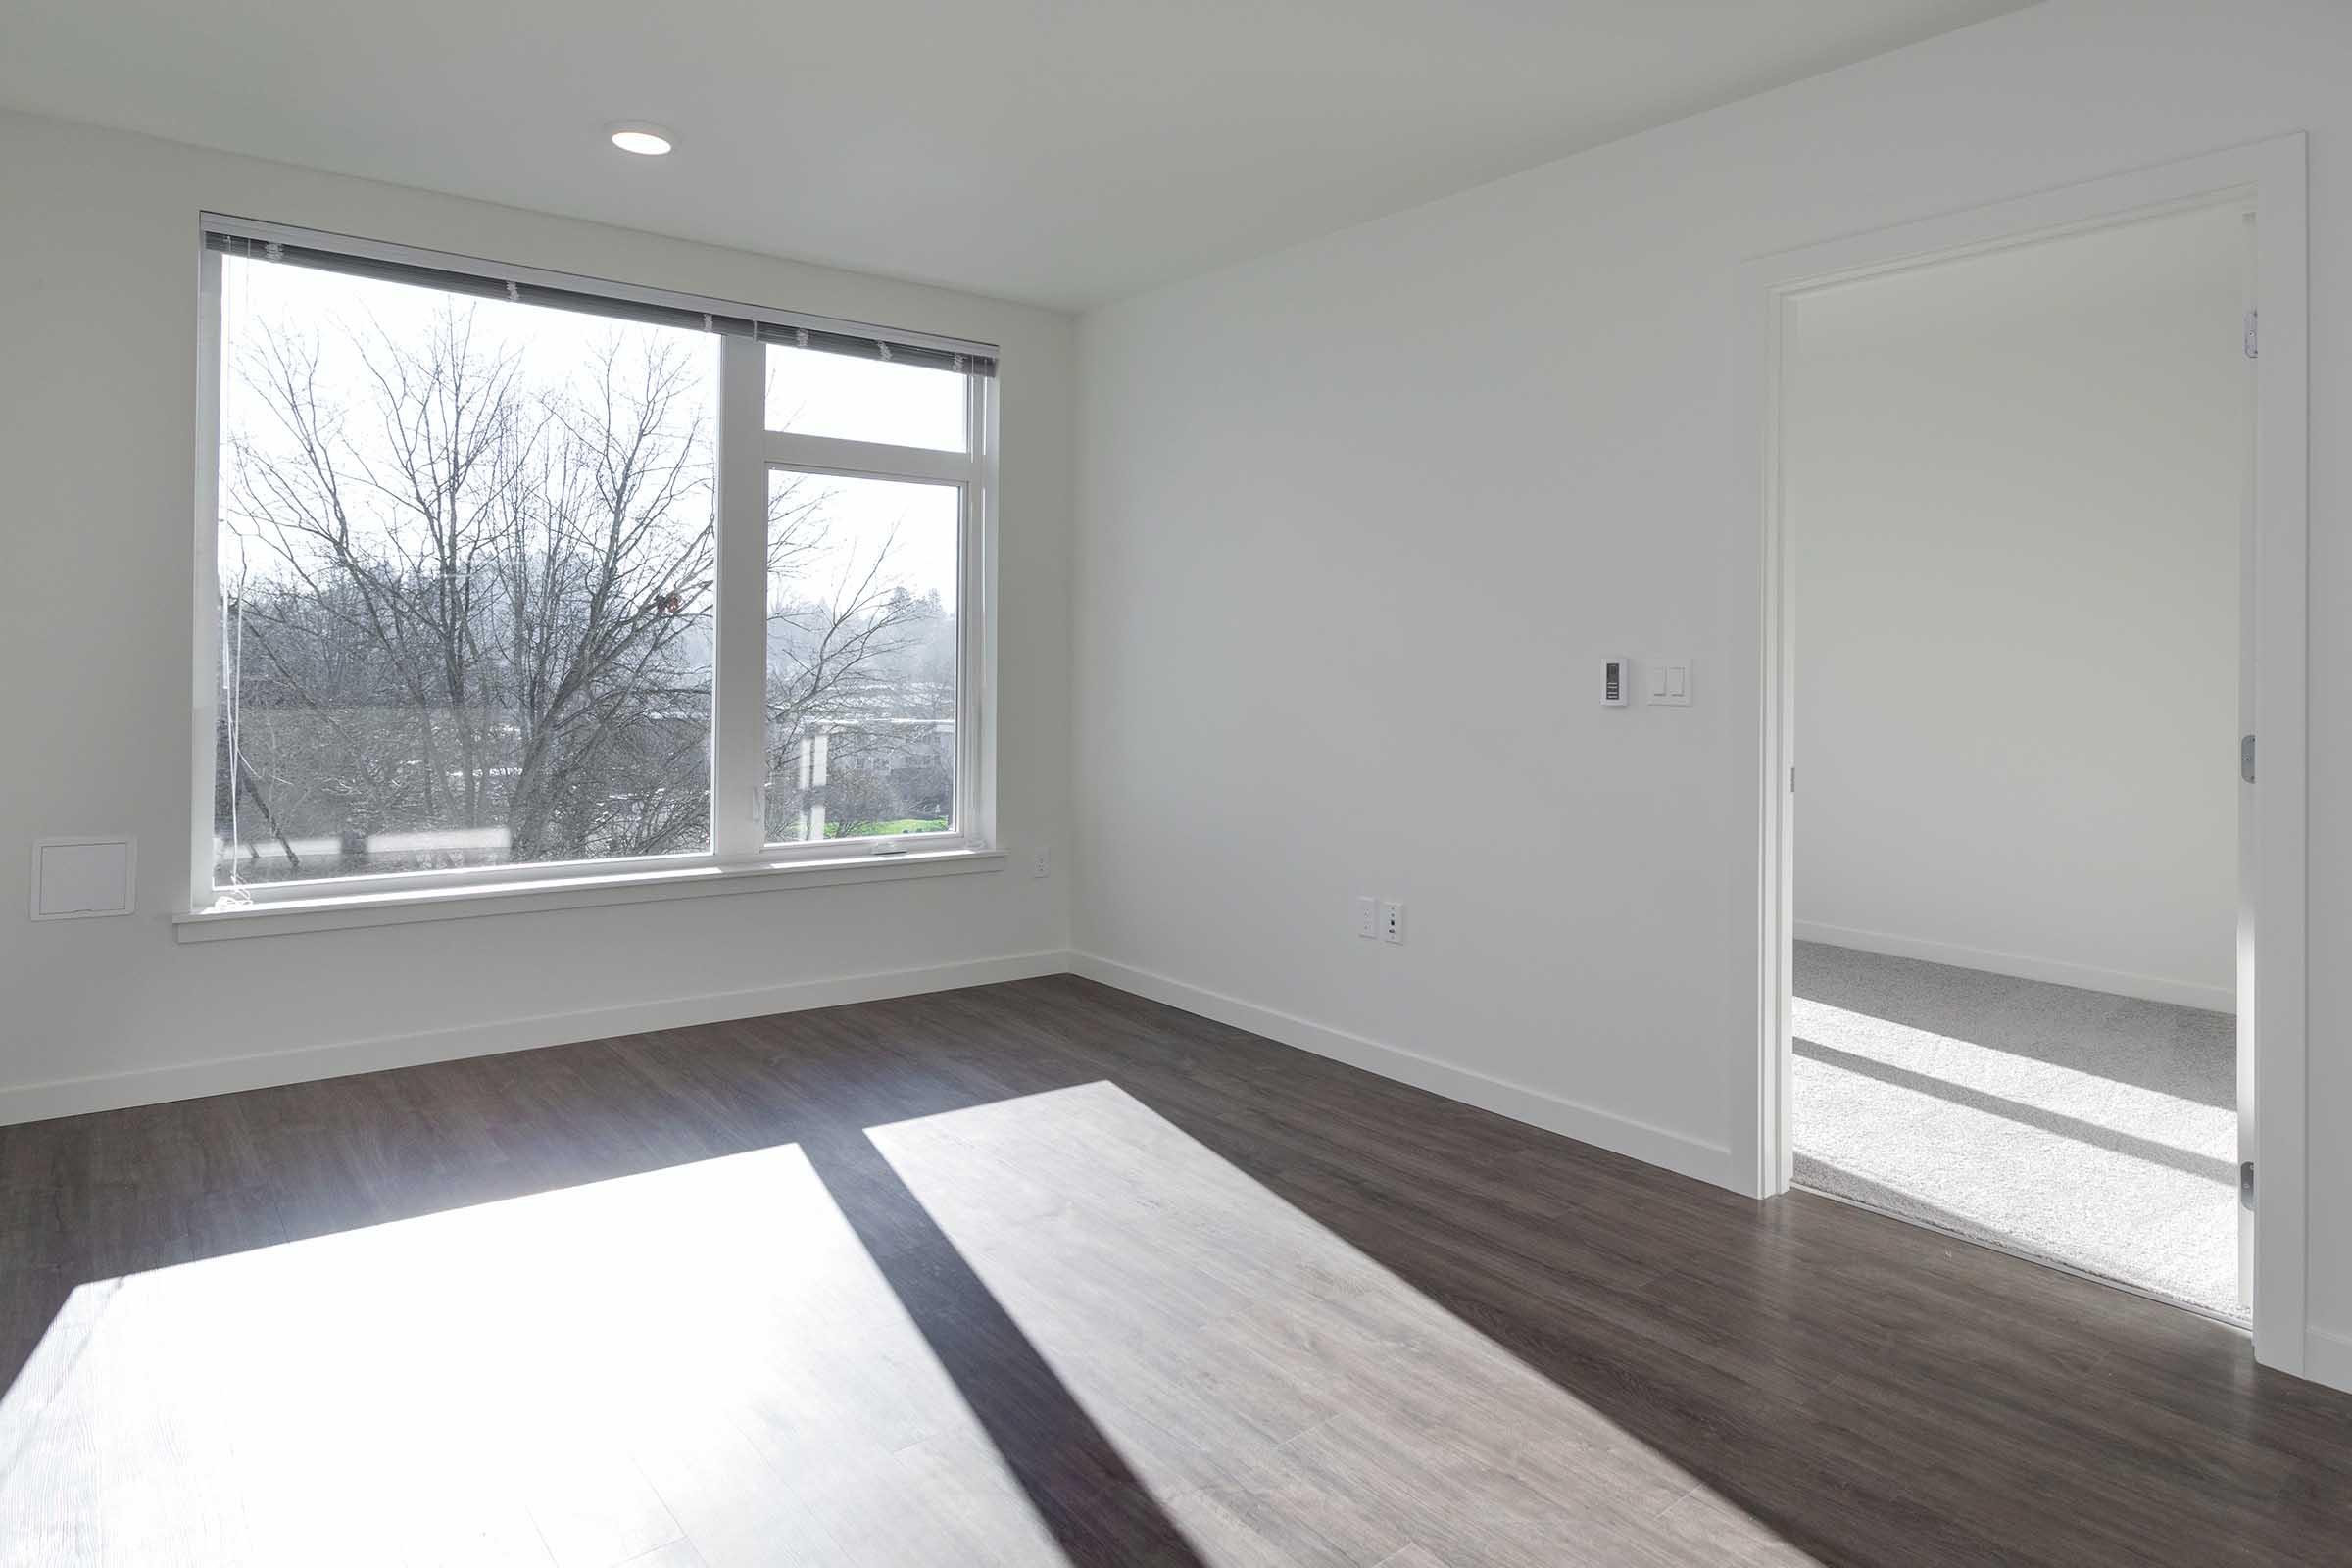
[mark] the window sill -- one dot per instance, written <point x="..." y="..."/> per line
<point x="344" y="911"/>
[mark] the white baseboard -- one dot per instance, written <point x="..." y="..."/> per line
<point x="2328" y="1359"/>
<point x="72" y="1096"/>
<point x="1655" y="1146"/>
<point x="2017" y="965"/>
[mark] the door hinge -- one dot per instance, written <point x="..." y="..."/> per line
<point x="2253" y="334"/>
<point x="1792" y="781"/>
<point x="2245" y="1185"/>
<point x="2245" y="757"/>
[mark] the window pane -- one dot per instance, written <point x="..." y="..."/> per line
<point x="861" y="578"/>
<point x="465" y="562"/>
<point x="812" y="392"/>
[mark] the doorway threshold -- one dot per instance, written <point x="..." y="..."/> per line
<point x="2056" y="1265"/>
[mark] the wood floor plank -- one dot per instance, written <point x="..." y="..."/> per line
<point x="1046" y="1273"/>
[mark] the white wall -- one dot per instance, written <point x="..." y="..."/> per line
<point x="2012" y="489"/>
<point x="97" y="415"/>
<point x="1356" y="519"/>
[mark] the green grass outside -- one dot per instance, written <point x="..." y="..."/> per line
<point x="903" y="824"/>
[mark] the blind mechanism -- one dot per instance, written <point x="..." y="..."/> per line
<point x="525" y="287"/>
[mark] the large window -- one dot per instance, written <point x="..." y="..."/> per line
<point x="517" y="576"/>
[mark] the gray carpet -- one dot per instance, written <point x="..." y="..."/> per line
<point x="2072" y="1126"/>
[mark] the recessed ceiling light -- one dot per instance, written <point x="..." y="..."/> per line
<point x="636" y="136"/>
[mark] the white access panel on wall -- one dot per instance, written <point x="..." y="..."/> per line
<point x="79" y="878"/>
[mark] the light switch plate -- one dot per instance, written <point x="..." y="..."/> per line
<point x="1667" y="680"/>
<point x="81" y="879"/>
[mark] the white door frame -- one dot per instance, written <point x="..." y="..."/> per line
<point x="2269" y="176"/>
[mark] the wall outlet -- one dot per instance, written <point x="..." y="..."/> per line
<point x="1368" y="917"/>
<point x="1391" y="919"/>
<point x="1040" y="862"/>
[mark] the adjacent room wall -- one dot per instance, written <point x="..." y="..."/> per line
<point x="97" y="418"/>
<point x="1360" y="519"/>
<point x="2013" y="487"/>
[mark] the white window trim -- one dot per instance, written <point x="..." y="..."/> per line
<point x="740" y="860"/>
<point x="701" y="877"/>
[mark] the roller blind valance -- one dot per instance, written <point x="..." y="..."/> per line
<point x="531" y="287"/>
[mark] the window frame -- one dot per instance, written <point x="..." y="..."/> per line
<point x="745" y="452"/>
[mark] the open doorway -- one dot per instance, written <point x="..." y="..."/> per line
<point x="2014" y="489"/>
<point x="2269" y="180"/>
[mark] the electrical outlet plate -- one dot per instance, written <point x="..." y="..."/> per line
<point x="1368" y="917"/>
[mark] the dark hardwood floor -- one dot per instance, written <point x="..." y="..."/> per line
<point x="1044" y="1272"/>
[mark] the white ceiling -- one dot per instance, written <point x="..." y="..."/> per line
<point x="1065" y="152"/>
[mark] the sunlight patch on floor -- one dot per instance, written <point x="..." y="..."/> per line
<point x="2122" y="1106"/>
<point x="2052" y="1160"/>
<point x="707" y="1365"/>
<point x="580" y="1376"/>
<point x="1286" y="1396"/>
